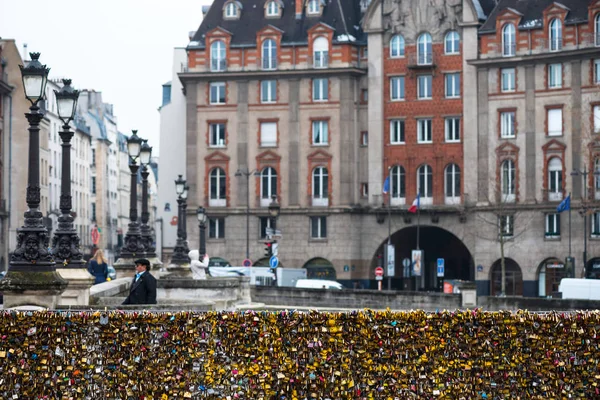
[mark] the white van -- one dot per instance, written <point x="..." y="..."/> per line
<point x="573" y="288"/>
<point x="318" y="284"/>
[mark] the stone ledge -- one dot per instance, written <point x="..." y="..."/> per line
<point x="209" y="283"/>
<point x="110" y="288"/>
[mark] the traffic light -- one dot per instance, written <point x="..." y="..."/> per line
<point x="268" y="249"/>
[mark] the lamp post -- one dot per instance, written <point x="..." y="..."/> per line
<point x="146" y="232"/>
<point x="201" y="213"/>
<point x="31" y="265"/>
<point x="180" y="251"/>
<point x="133" y="240"/>
<point x="274" y="210"/>
<point x="584" y="211"/>
<point x="65" y="243"/>
<point x="247" y="174"/>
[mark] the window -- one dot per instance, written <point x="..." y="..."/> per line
<point x="507" y="223"/>
<point x="320" y="52"/>
<point x="424" y="53"/>
<point x="397" y="46"/>
<point x="508" y="40"/>
<point x="555" y="35"/>
<point x="217" y="135"/>
<point x="93" y="185"/>
<point x="554" y="76"/>
<point x="398" y="183"/>
<point x="318" y="227"/>
<point x="93" y="156"/>
<point x="596" y="225"/>
<point x="231" y="10"/>
<point x="597" y="70"/>
<point x="555" y="177"/>
<point x="452" y="129"/>
<point x="364" y="138"/>
<point x="266" y="222"/>
<point x="217" y="188"/>
<point x="268" y="91"/>
<point x="216" y="228"/>
<point x="268" y="186"/>
<point x="508" y="80"/>
<point x="313" y="7"/>
<point x="365" y="95"/>
<point x="320" y="89"/>
<point x="451" y="43"/>
<point x="453" y="85"/>
<point x="597" y="29"/>
<point x="364" y="190"/>
<point x="424" y="86"/>
<point x="507" y="181"/>
<point x="272" y="9"/>
<point x="596" y="119"/>
<point x="397" y="88"/>
<point x="268" y="134"/>
<point x="397" y="131"/>
<point x="424" y="131"/>
<point x="93" y="211"/>
<point x="507" y="124"/>
<point x="320" y="186"/>
<point x="425" y="184"/>
<point x="597" y="179"/>
<point x="555" y="122"/>
<point x="452" y="184"/>
<point x="320" y="133"/>
<point x="269" y="54"/>
<point x="218" y="56"/>
<point x="217" y="93"/>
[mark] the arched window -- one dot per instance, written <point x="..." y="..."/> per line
<point x="272" y="9"/>
<point x="597" y="178"/>
<point x="269" y="54"/>
<point x="231" y="10"/>
<point x="424" y="55"/>
<point x="268" y="185"/>
<point x="320" y="187"/>
<point x="217" y="188"/>
<point x="555" y="35"/>
<point x="507" y="181"/>
<point x="398" y="185"/>
<point x="425" y="184"/>
<point x="452" y="184"/>
<point x="508" y="40"/>
<point x="218" y="56"/>
<point x="597" y="29"/>
<point x="451" y="43"/>
<point x="555" y="179"/>
<point x="321" y="52"/>
<point x="397" y="46"/>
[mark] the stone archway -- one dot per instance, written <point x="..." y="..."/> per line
<point x="320" y="268"/>
<point x="514" y="278"/>
<point x="550" y="272"/>
<point x="436" y="243"/>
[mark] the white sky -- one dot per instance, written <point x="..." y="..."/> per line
<point x="122" y="48"/>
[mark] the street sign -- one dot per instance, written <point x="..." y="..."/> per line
<point x="275" y="249"/>
<point x="247" y="263"/>
<point x="391" y="260"/>
<point x="378" y="271"/>
<point x="379" y="278"/>
<point x="271" y="233"/>
<point x="273" y="262"/>
<point x="440" y="267"/>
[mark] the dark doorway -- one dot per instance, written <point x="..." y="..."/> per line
<point x="514" y="278"/>
<point x="435" y="243"/>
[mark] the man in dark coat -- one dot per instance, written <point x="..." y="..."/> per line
<point x="143" y="287"/>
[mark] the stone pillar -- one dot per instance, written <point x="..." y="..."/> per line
<point x="78" y="290"/>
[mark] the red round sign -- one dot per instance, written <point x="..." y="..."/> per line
<point x="378" y="271"/>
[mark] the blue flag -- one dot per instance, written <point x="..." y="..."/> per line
<point x="386" y="185"/>
<point x="564" y="205"/>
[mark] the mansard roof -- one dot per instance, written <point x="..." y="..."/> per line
<point x="342" y="15"/>
<point x="533" y="12"/>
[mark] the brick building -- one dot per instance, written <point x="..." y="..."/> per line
<point x="327" y="99"/>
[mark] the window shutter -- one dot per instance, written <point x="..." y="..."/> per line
<point x="555" y="122"/>
<point x="268" y="134"/>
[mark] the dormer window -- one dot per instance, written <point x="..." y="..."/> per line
<point x="232" y="10"/>
<point x="555" y="35"/>
<point x="272" y="9"/>
<point x="314" y="7"/>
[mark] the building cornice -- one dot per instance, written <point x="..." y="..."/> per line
<point x="5" y="87"/>
<point x="534" y="58"/>
<point x="245" y="75"/>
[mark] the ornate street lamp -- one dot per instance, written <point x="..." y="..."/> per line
<point x="201" y="214"/>
<point x="133" y="246"/>
<point x="147" y="239"/>
<point x="181" y="250"/>
<point x="31" y="266"/>
<point x="274" y="209"/>
<point x="246" y="173"/>
<point x="65" y="243"/>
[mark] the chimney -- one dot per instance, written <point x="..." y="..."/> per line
<point x="299" y="8"/>
<point x="25" y="53"/>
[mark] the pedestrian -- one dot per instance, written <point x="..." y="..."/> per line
<point x="98" y="267"/>
<point x="143" y="287"/>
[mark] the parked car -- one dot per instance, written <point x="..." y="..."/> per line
<point x="112" y="273"/>
<point x="318" y="284"/>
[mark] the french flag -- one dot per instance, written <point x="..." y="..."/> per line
<point x="416" y="204"/>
